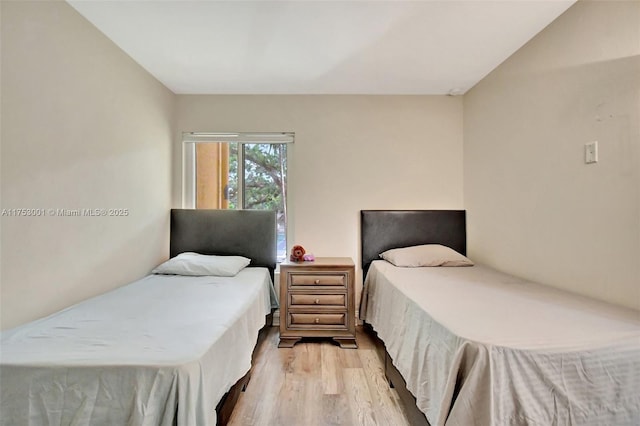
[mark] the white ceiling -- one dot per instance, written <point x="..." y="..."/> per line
<point x="320" y="47"/>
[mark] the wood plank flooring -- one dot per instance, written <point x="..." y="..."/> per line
<point x="316" y="383"/>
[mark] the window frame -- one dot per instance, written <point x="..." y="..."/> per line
<point x="189" y="141"/>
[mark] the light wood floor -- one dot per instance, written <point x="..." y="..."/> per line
<point x="316" y="384"/>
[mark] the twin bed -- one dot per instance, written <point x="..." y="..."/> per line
<point x="464" y="346"/>
<point x="164" y="350"/>
<point x="473" y="346"/>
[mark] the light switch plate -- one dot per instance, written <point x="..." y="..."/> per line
<point x="591" y="152"/>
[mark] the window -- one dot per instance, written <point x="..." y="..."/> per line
<point x="238" y="171"/>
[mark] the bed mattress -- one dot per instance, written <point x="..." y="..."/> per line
<point x="479" y="347"/>
<point x="160" y="351"/>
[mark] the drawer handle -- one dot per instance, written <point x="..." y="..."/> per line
<point x="316" y="301"/>
<point x="317" y="281"/>
<point x="317" y="320"/>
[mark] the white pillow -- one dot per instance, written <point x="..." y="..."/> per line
<point x="425" y="255"/>
<point x="194" y="264"/>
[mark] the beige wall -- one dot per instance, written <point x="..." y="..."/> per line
<point x="534" y="208"/>
<point x="83" y="126"/>
<point x="350" y="153"/>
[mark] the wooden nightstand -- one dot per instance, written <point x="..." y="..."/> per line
<point x="317" y="299"/>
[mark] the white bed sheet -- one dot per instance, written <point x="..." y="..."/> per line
<point x="161" y="350"/>
<point x="479" y="347"/>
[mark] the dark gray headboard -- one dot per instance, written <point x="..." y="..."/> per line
<point x="382" y="230"/>
<point x="248" y="233"/>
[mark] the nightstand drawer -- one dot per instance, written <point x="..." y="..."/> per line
<point x="318" y="299"/>
<point x="318" y="279"/>
<point x="318" y="319"/>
